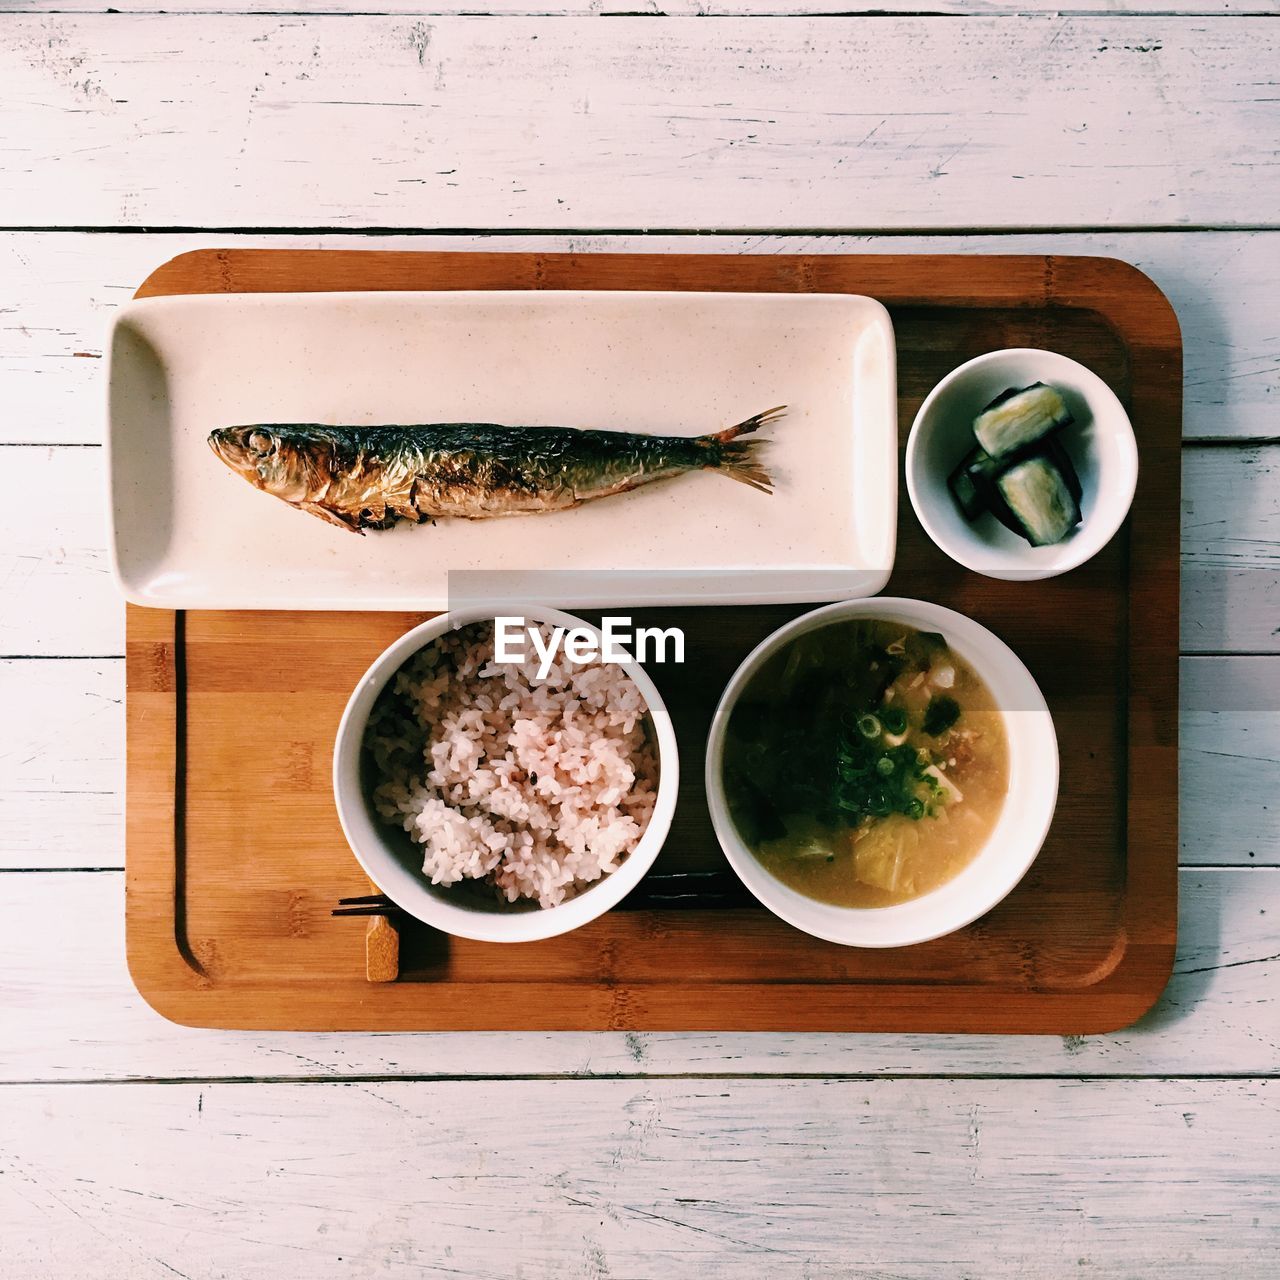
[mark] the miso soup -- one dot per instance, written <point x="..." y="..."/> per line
<point x="865" y="763"/>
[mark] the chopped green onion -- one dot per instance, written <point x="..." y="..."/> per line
<point x="894" y="719"/>
<point x="869" y="726"/>
<point x="884" y="766"/>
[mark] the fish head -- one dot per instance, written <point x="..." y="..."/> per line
<point x="274" y="459"/>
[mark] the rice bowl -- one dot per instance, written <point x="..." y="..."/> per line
<point x="496" y="804"/>
<point x="539" y="787"/>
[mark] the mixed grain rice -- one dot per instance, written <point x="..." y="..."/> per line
<point x="538" y="786"/>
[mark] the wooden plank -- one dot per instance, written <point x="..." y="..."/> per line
<point x="1229" y="746"/>
<point x="661" y="8"/>
<point x="245" y="121"/>
<point x="61" y="287"/>
<point x="70" y="1012"/>
<point x="60" y="600"/>
<point x="785" y="1178"/>
<point x="61" y="772"/>
<point x="62" y="764"/>
<point x="1231" y="550"/>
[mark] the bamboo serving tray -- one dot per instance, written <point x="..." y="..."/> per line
<point x="235" y="858"/>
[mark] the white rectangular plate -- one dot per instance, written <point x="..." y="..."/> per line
<point x="187" y="533"/>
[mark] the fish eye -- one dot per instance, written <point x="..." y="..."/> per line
<point x="260" y="442"/>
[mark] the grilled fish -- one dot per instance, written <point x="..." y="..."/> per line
<point x="370" y="477"/>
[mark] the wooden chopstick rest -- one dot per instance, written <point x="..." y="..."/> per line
<point x="381" y="950"/>
<point x="381" y="937"/>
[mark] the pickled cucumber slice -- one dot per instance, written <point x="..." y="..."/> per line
<point x="1017" y="419"/>
<point x="1040" y="500"/>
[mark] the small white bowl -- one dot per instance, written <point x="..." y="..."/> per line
<point x="1020" y="829"/>
<point x="394" y="862"/>
<point x="1101" y="444"/>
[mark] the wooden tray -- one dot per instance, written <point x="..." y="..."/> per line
<point x="235" y="858"/>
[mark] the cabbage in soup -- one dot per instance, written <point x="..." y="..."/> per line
<point x="865" y="763"/>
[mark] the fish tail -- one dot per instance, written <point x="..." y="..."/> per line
<point x="740" y="461"/>
<point x="747" y="425"/>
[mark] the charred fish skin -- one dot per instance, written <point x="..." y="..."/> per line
<point x="372" y="477"/>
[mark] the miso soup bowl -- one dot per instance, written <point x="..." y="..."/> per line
<point x="1020" y="829"/>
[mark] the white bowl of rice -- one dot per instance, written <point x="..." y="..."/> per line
<point x="496" y="803"/>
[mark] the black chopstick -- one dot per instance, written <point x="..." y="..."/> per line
<point x="370" y="904"/>
<point x="678" y="889"/>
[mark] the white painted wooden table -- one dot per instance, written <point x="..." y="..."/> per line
<point x="129" y="1147"/>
